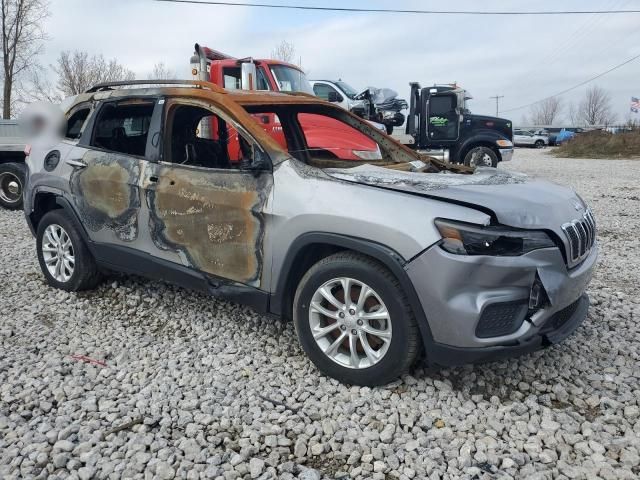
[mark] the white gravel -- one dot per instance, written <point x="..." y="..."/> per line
<point x="190" y="387"/>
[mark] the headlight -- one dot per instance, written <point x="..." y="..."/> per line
<point x="504" y="143"/>
<point x="469" y="239"/>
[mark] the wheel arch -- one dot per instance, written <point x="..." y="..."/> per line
<point x="311" y="247"/>
<point x="45" y="201"/>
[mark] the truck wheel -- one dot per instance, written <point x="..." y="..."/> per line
<point x="12" y="179"/>
<point x="481" y="157"/>
<point x="354" y="321"/>
<point x="64" y="258"/>
<point x="539" y="144"/>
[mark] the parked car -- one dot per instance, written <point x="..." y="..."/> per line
<point x="525" y="138"/>
<point x="378" y="263"/>
<point x="12" y="167"/>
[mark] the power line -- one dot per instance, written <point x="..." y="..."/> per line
<point x="575" y="86"/>
<point x="386" y="10"/>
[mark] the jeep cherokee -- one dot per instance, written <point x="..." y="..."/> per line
<point x="378" y="263"/>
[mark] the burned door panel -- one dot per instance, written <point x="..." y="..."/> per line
<point x="106" y="194"/>
<point x="213" y="218"/>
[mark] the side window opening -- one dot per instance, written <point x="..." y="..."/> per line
<point x="187" y="143"/>
<point x="76" y="122"/>
<point x="123" y="128"/>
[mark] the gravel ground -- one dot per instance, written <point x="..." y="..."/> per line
<point x="184" y="386"/>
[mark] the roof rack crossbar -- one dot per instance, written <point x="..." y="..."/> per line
<point x="125" y="83"/>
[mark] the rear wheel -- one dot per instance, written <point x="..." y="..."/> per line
<point x="354" y="321"/>
<point x="64" y="258"/>
<point x="481" y="157"/>
<point x="12" y="179"/>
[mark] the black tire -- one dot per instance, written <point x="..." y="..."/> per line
<point x="481" y="154"/>
<point x="389" y="128"/>
<point x="539" y="144"/>
<point x="404" y="346"/>
<point x="85" y="274"/>
<point x="12" y="180"/>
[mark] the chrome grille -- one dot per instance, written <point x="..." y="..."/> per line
<point x="581" y="235"/>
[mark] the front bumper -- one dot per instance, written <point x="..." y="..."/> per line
<point x="448" y="356"/>
<point x="506" y="154"/>
<point x="455" y="291"/>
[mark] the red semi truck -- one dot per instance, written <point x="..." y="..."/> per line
<point x="331" y="137"/>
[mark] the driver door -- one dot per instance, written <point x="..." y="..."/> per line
<point x="443" y="121"/>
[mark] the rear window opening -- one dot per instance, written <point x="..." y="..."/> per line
<point x="123" y="128"/>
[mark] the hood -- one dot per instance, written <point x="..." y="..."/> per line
<point x="502" y="125"/>
<point x="515" y="199"/>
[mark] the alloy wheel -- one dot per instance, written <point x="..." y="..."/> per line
<point x="57" y="252"/>
<point x="350" y="323"/>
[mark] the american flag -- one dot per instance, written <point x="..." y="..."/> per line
<point x="635" y="104"/>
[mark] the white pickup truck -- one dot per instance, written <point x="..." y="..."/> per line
<point x="12" y="166"/>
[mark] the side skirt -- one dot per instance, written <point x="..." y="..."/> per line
<point x="127" y="260"/>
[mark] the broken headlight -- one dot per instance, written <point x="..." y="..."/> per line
<point x="469" y="239"/>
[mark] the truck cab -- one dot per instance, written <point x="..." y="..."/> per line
<point x="323" y="135"/>
<point x="440" y="125"/>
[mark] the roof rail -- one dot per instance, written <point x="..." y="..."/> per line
<point x="125" y="83"/>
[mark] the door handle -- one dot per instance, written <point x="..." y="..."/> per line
<point x="76" y="163"/>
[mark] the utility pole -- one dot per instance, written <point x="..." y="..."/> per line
<point x="497" y="97"/>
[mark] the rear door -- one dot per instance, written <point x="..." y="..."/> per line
<point x="105" y="168"/>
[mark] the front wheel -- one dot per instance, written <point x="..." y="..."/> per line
<point x="12" y="179"/>
<point x="354" y="321"/>
<point x="481" y="157"/>
<point x="539" y="144"/>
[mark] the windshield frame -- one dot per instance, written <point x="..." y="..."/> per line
<point x="299" y="81"/>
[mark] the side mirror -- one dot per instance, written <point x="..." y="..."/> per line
<point x="335" y="97"/>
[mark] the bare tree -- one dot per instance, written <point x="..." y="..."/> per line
<point x="284" y="51"/>
<point x="77" y="72"/>
<point x="546" y="111"/>
<point x="595" y="108"/>
<point x="161" y="72"/>
<point x="22" y="41"/>
<point x="573" y="114"/>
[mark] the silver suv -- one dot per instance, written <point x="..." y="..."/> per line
<point x="525" y="138"/>
<point x="378" y="263"/>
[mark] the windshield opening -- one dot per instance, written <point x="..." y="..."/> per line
<point x="329" y="137"/>
<point x="347" y="89"/>
<point x="291" y="79"/>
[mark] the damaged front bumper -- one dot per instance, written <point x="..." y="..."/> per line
<point x="483" y="307"/>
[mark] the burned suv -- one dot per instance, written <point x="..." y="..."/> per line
<point x="378" y="263"/>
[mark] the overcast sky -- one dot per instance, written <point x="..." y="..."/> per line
<point x="523" y="58"/>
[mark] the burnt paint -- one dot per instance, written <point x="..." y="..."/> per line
<point x="213" y="217"/>
<point x="106" y="193"/>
